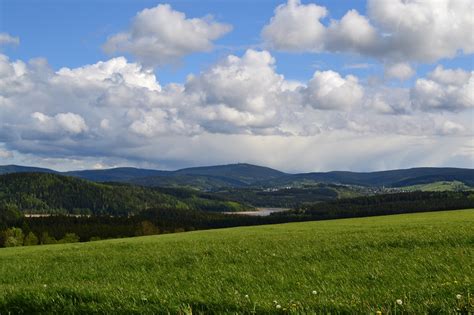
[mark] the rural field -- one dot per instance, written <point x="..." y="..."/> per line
<point x="400" y="264"/>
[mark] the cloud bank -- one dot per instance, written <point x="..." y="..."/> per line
<point x="116" y="110"/>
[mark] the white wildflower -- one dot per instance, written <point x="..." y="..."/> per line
<point x="314" y="292"/>
<point x="246" y="296"/>
<point x="278" y="306"/>
<point x="399" y="302"/>
<point x="458" y="296"/>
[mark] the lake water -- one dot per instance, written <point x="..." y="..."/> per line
<point x="261" y="212"/>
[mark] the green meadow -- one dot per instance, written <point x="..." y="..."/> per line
<point x="400" y="264"/>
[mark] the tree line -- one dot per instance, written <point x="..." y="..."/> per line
<point x="385" y="204"/>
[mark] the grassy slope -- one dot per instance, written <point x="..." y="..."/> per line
<point x="439" y="186"/>
<point x="355" y="265"/>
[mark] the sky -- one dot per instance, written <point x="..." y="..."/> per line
<point x="295" y="85"/>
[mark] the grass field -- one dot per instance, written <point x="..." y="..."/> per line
<point x="440" y="186"/>
<point x="342" y="266"/>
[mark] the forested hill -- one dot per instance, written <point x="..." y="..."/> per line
<point x="9" y="169"/>
<point x="392" y="178"/>
<point x="120" y="174"/>
<point x="247" y="175"/>
<point x="52" y="193"/>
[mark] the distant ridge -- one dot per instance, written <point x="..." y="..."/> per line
<point x="115" y="174"/>
<point x="7" y="169"/>
<point x="248" y="175"/>
<point x="392" y="178"/>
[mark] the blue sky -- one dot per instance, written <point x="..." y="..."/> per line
<point x="70" y="33"/>
<point x="364" y="75"/>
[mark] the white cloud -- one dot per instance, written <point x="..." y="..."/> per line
<point x="161" y="35"/>
<point x="444" y="89"/>
<point x="424" y="30"/>
<point x="7" y="39"/>
<point x="401" y="71"/>
<point x="389" y="100"/>
<point x="238" y="93"/>
<point x="352" y="33"/>
<point x="72" y="123"/>
<point x="117" y="71"/>
<point x="239" y="109"/>
<point x="69" y="122"/>
<point x="328" y="90"/>
<point x="395" y="31"/>
<point x="449" y="127"/>
<point x="296" y="27"/>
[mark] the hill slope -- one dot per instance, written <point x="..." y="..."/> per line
<point x="242" y="172"/>
<point x="341" y="266"/>
<point x="392" y="178"/>
<point x="247" y="175"/>
<point x="9" y="169"/>
<point x="120" y="174"/>
<point x="212" y="177"/>
<point x="52" y="193"/>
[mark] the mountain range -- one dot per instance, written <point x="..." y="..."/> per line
<point x="244" y="175"/>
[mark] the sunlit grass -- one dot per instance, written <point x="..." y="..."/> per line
<point x="414" y="263"/>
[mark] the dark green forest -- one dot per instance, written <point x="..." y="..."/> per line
<point x="36" y="193"/>
<point x="385" y="204"/>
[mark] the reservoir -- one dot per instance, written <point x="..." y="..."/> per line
<point x="261" y="212"/>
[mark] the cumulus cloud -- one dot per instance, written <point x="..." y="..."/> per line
<point x="394" y="31"/>
<point x="296" y="27"/>
<point x="352" y="33"/>
<point x="328" y="90"/>
<point x="401" y="71"/>
<point x="7" y="39"/>
<point x="388" y="100"/>
<point x="161" y="35"/>
<point x="239" y="92"/>
<point x="68" y="122"/>
<point x="235" y="110"/>
<point x="424" y="30"/>
<point x="444" y="89"/>
<point x="117" y="71"/>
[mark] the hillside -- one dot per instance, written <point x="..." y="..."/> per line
<point x="252" y="176"/>
<point x="120" y="174"/>
<point x="9" y="169"/>
<point x="242" y="172"/>
<point x="341" y="266"/>
<point x="440" y="186"/>
<point x="52" y="193"/>
<point x="392" y="178"/>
